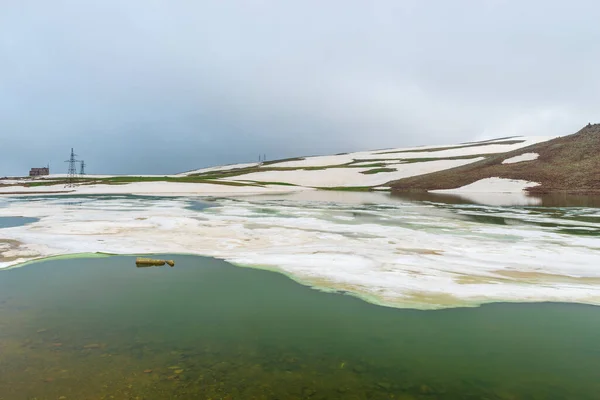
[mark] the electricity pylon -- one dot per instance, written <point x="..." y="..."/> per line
<point x="72" y="173"/>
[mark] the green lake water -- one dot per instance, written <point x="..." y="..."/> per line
<point x="101" y="328"/>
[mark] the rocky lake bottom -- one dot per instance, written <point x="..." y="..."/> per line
<point x="100" y="328"/>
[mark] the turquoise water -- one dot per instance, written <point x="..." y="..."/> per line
<point x="102" y="328"/>
<point x="9" y="222"/>
<point x="196" y="205"/>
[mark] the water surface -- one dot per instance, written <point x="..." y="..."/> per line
<point x="9" y="222"/>
<point x="102" y="328"/>
<point x="504" y="199"/>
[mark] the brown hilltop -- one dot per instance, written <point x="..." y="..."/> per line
<point x="569" y="163"/>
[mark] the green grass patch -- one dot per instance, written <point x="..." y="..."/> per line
<point x="354" y="164"/>
<point x="239" y="171"/>
<point x="378" y="170"/>
<point x="60" y="181"/>
<point x="36" y="184"/>
<point x="230" y="183"/>
<point x="123" y="180"/>
<point x="491" y="140"/>
<point x="250" y="170"/>
<point x="283" y="160"/>
<point x="178" y="179"/>
<point x="385" y="162"/>
<point x="348" y="188"/>
<point x="427" y="159"/>
<point x="272" y="183"/>
<point x="452" y="147"/>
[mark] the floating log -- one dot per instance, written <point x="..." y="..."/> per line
<point x="152" y="262"/>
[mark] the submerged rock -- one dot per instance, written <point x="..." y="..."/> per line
<point x="152" y="262"/>
<point x="405" y="396"/>
<point x="424" y="389"/>
<point x="359" y="369"/>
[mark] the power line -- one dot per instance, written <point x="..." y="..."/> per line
<point x="72" y="173"/>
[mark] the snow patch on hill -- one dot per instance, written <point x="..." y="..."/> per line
<point x="521" y="158"/>
<point x="492" y="185"/>
<point x="353" y="177"/>
<point x="359" y="169"/>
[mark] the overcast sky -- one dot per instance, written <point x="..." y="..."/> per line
<point x="163" y="86"/>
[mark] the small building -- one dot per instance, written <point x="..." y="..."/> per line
<point x="39" y="171"/>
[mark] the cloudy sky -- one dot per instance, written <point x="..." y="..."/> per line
<point x="163" y="86"/>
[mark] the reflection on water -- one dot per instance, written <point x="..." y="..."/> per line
<point x="570" y="200"/>
<point x="503" y="199"/>
<point x="566" y="214"/>
<point x="330" y="196"/>
<point x="491" y="199"/>
<point x="102" y="328"/>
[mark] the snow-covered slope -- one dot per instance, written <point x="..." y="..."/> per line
<point x="564" y="164"/>
<point x="359" y="169"/>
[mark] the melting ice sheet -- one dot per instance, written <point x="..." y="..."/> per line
<point x="422" y="254"/>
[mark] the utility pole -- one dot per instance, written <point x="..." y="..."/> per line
<point x="82" y="168"/>
<point x="72" y="173"/>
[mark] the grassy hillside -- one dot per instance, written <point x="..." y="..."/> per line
<point x="570" y="163"/>
<point x="373" y="169"/>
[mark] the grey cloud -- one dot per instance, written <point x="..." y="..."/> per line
<point x="164" y="86"/>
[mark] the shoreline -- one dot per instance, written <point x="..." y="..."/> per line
<point x="533" y="191"/>
<point x="384" y="250"/>
<point x="307" y="282"/>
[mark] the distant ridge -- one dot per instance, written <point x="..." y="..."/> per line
<point x="565" y="164"/>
